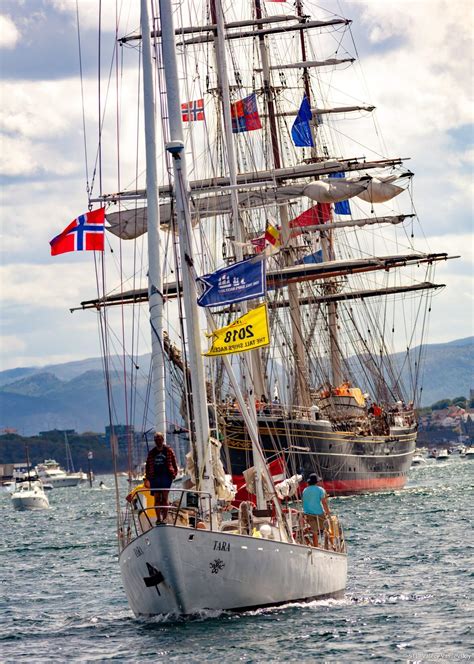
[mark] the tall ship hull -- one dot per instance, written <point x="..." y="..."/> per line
<point x="347" y="463"/>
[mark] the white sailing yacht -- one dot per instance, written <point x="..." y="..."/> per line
<point x="209" y="562"/>
<point x="319" y="392"/>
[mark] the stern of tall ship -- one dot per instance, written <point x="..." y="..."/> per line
<point x="181" y="570"/>
<point x="347" y="461"/>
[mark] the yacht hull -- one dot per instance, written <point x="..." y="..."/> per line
<point x="183" y="571"/>
<point x="61" y="482"/>
<point x="348" y="463"/>
<point x="30" y="502"/>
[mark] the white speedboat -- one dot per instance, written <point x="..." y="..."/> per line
<point x="442" y="455"/>
<point x="30" y="496"/>
<point x="51" y="473"/>
<point x="417" y="460"/>
<point x="469" y="453"/>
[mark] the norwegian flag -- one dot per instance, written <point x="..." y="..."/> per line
<point x="86" y="233"/>
<point x="192" y="110"/>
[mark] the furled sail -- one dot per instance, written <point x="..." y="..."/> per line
<point x="333" y="191"/>
<point x="130" y="224"/>
<point x="225" y="489"/>
<point x="380" y="191"/>
<point x="127" y="224"/>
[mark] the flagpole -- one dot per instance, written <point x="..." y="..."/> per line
<point x="155" y="286"/>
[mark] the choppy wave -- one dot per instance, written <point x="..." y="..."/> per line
<point x="410" y="578"/>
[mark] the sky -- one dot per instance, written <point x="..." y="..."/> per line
<point x="416" y="56"/>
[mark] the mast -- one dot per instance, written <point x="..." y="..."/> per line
<point x="175" y="147"/>
<point x="253" y="364"/>
<point x="301" y="394"/>
<point x="326" y="238"/>
<point x="155" y="287"/>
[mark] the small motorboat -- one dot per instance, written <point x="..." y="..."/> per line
<point x="30" y="496"/>
<point x="469" y="453"/>
<point x="417" y="460"/>
<point x="442" y="455"/>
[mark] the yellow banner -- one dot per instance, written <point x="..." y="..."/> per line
<point x="246" y="333"/>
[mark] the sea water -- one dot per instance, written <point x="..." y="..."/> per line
<point x="409" y="593"/>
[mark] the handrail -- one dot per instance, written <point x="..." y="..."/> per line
<point x="199" y="515"/>
<point x="141" y="513"/>
<point x="393" y="416"/>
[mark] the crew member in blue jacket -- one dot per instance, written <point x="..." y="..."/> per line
<point x="315" y="506"/>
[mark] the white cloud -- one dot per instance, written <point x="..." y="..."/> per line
<point x="9" y="34"/>
<point x="89" y="14"/>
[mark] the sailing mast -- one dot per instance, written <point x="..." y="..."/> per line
<point x="253" y="364"/>
<point x="155" y="287"/>
<point x="301" y="395"/>
<point x="175" y="148"/>
<point x="326" y="237"/>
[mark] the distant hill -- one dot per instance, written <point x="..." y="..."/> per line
<point x="447" y="370"/>
<point x="73" y="395"/>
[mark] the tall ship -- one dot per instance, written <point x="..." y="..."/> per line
<point x="195" y="547"/>
<point x="287" y="166"/>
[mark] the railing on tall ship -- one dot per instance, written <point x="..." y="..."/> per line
<point x="335" y="407"/>
<point x="193" y="510"/>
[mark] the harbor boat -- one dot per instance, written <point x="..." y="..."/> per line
<point x="275" y="176"/>
<point x="442" y="455"/>
<point x="51" y="473"/>
<point x="29" y="495"/>
<point x="417" y="460"/>
<point x="469" y="452"/>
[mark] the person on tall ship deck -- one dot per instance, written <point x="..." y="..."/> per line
<point x="315" y="506"/>
<point x="161" y="469"/>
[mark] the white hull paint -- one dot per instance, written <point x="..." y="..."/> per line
<point x="61" y="482"/>
<point x="181" y="571"/>
<point x="30" y="499"/>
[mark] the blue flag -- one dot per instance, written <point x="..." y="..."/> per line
<point x="301" y="130"/>
<point x="317" y="257"/>
<point x="342" y="207"/>
<point x="240" y="281"/>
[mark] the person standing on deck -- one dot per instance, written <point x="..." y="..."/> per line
<point x="315" y="506"/>
<point x="161" y="469"/>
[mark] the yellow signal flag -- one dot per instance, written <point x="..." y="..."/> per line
<point x="248" y="332"/>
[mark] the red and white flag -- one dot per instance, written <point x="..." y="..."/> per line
<point x="86" y="233"/>
<point x="192" y="110"/>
